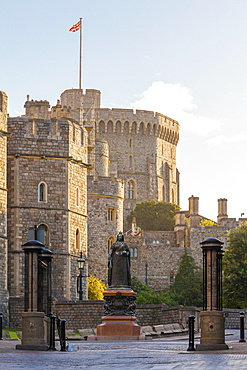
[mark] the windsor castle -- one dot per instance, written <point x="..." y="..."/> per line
<point x="76" y="170"/>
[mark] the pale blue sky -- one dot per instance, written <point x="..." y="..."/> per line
<point x="184" y="58"/>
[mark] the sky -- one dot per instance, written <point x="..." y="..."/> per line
<point x="185" y="59"/>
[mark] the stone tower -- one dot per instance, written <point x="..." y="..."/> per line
<point x="142" y="147"/>
<point x="3" y="208"/>
<point x="47" y="181"/>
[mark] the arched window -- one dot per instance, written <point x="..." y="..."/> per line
<point x="43" y="234"/>
<point x="131" y="252"/>
<point x="126" y="127"/>
<point x="102" y="127"/>
<point x="42" y="192"/>
<point x="77" y="197"/>
<point x="118" y="127"/>
<point x="133" y="128"/>
<point x="171" y="277"/>
<point x="135" y="253"/>
<point x="130" y="161"/>
<point x="111" y="240"/>
<point x="77" y="239"/>
<point x="141" y="128"/>
<point x="130" y="190"/>
<point x="110" y="127"/>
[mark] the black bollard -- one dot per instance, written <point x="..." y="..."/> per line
<point x="52" y="332"/>
<point x="191" y="333"/>
<point x="1" y="326"/>
<point x="242" y="327"/>
<point x="63" y="337"/>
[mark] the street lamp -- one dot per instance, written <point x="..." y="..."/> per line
<point x="81" y="263"/>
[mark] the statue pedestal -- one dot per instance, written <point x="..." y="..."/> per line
<point x="119" y="321"/>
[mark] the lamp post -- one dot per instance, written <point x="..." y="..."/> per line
<point x="81" y="263"/>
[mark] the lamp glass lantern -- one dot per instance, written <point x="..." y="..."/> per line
<point x="81" y="262"/>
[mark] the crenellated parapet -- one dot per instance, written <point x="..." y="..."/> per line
<point x="126" y="121"/>
<point x="41" y="137"/>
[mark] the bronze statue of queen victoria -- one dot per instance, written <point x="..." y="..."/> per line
<point x="119" y="264"/>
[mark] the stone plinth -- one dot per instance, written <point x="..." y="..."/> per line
<point x="119" y="321"/>
<point x="212" y="331"/>
<point x="34" y="331"/>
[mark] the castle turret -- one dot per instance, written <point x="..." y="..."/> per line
<point x="222" y="209"/>
<point x="101" y="158"/>
<point x="194" y="218"/>
<point x="37" y="109"/>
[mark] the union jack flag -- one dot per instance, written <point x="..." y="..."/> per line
<point x="76" y="27"/>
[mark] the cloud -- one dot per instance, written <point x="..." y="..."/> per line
<point x="222" y="139"/>
<point x="177" y="102"/>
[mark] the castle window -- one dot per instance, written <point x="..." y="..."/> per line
<point x="141" y="128"/>
<point x="111" y="214"/>
<point x="102" y="127"/>
<point x="131" y="252"/>
<point x="130" y="143"/>
<point x="182" y="243"/>
<point x="133" y="128"/>
<point x="126" y="127"/>
<point x="110" y="127"/>
<point x="111" y="240"/>
<point x="163" y="193"/>
<point x="82" y="136"/>
<point x="168" y="242"/>
<point x="77" y="196"/>
<point x="42" y="192"/>
<point x="130" y="161"/>
<point x="73" y="133"/>
<point x="77" y="239"/>
<point x="130" y="190"/>
<point x="131" y="207"/>
<point x="135" y="253"/>
<point x="171" y="277"/>
<point x="118" y="127"/>
<point x="43" y="234"/>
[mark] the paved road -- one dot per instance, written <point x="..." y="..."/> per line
<point x="156" y="354"/>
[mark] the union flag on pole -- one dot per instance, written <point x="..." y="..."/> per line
<point x="76" y="27"/>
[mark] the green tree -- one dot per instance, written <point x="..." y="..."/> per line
<point x="187" y="287"/>
<point x="235" y="269"/>
<point x="146" y="295"/>
<point x="154" y="216"/>
<point x="95" y="289"/>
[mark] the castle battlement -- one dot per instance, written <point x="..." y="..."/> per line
<point x="105" y="187"/>
<point x="46" y="137"/>
<point x="126" y="121"/>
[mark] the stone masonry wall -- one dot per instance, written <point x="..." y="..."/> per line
<point x="159" y="251"/>
<point x="54" y="153"/>
<point x="3" y="208"/>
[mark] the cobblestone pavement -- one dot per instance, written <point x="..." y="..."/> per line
<point x="156" y="354"/>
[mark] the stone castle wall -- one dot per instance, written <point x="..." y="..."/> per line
<point x="3" y="208"/>
<point x="51" y="152"/>
<point x="159" y="251"/>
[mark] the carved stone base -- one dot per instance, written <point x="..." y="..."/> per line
<point x="119" y="328"/>
<point x="119" y="302"/>
<point x="212" y="331"/>
<point x="119" y="321"/>
<point x="34" y="331"/>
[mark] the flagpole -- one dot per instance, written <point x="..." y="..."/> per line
<point x="80" y="53"/>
